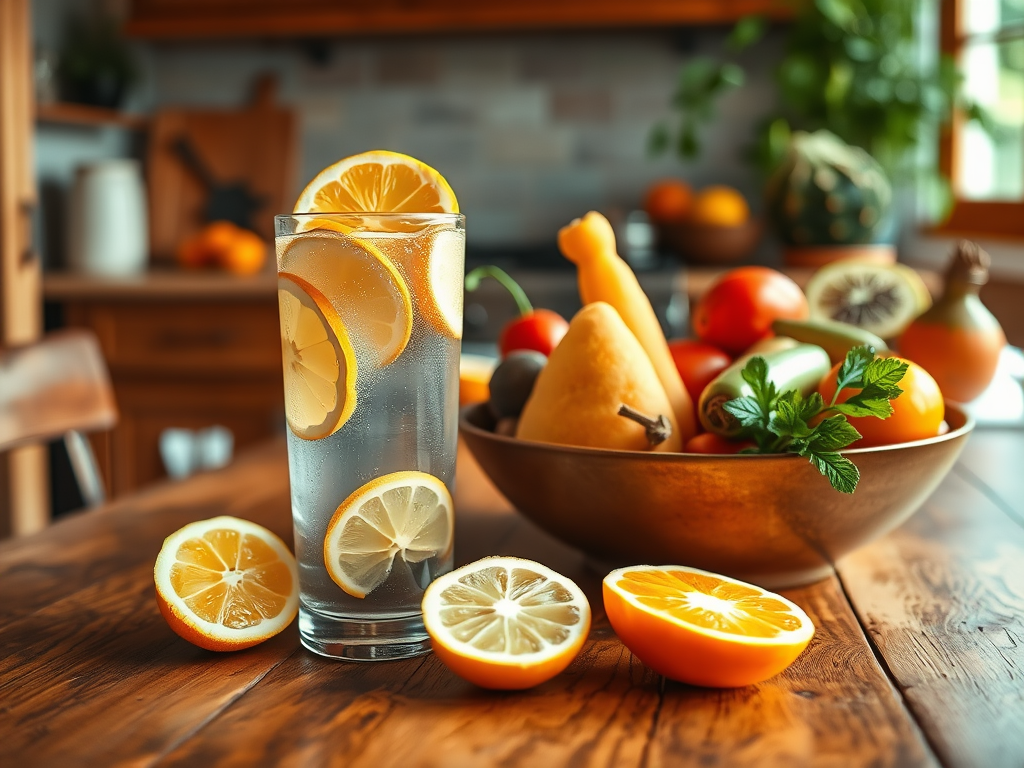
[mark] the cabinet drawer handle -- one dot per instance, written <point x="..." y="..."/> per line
<point x="176" y="339"/>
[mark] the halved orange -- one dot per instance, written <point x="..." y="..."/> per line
<point x="319" y="361"/>
<point x="702" y="628"/>
<point x="378" y="182"/>
<point x="225" y="584"/>
<point x="506" y="623"/>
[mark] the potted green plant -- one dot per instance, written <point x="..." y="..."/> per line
<point x="95" y="64"/>
<point x="852" y="67"/>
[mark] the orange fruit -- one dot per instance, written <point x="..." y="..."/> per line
<point x="378" y="181"/>
<point x="224" y="245"/>
<point x="404" y="515"/>
<point x="506" y="623"/>
<point x="917" y="414"/>
<point x="474" y="378"/>
<point x="668" y="201"/>
<point x="225" y="584"/>
<point x="701" y="628"/>
<point x="246" y="255"/>
<point x="319" y="361"/>
<point x="720" y="206"/>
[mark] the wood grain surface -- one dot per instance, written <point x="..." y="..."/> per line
<point x="943" y="600"/>
<point x="994" y="467"/>
<point x="91" y="675"/>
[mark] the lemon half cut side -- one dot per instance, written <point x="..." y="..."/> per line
<point x="506" y="623"/>
<point x="225" y="584"/>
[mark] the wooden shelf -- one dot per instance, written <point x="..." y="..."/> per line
<point x="170" y="19"/>
<point x="60" y="113"/>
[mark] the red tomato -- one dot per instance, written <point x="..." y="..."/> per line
<point x="698" y="363"/>
<point x="917" y="413"/>
<point x="539" y="330"/>
<point x="709" y="442"/>
<point x="739" y="308"/>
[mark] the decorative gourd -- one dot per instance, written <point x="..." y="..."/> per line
<point x="826" y="192"/>
<point x="958" y="341"/>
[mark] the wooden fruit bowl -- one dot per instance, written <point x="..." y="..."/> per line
<point x="771" y="520"/>
<point x="711" y="244"/>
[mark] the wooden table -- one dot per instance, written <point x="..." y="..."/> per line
<point x="918" y="659"/>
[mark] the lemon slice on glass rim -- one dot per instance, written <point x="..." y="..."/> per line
<point x="377" y="182"/>
<point x="405" y="515"/>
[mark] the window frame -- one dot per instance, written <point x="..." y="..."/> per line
<point x="999" y="218"/>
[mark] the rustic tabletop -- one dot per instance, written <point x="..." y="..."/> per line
<point x="918" y="657"/>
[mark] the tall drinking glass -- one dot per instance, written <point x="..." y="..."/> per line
<point x="371" y="322"/>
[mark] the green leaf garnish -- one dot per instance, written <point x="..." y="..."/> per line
<point x="788" y="422"/>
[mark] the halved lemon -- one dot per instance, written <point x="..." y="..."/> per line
<point x="225" y="584"/>
<point x="702" y="628"/>
<point x="506" y="623"/>
<point x="371" y="296"/>
<point x="319" y="362"/>
<point x="406" y="515"/>
<point x="378" y="182"/>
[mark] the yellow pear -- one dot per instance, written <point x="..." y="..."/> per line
<point x="598" y="367"/>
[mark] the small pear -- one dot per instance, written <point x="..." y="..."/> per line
<point x="598" y="367"/>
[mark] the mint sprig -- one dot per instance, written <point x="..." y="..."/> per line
<point x="788" y="422"/>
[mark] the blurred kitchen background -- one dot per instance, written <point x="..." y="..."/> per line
<point x="535" y="112"/>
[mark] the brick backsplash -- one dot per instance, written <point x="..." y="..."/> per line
<point x="531" y="130"/>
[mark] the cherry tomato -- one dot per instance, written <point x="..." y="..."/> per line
<point x="740" y="307"/>
<point x="698" y="363"/>
<point x="917" y="413"/>
<point x="709" y="442"/>
<point x="539" y="330"/>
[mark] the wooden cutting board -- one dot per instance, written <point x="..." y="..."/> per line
<point x="256" y="145"/>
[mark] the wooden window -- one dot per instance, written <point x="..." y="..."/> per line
<point x="986" y="37"/>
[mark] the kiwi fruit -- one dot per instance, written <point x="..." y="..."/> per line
<point x="880" y="298"/>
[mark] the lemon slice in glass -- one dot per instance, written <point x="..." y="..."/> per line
<point x="408" y="515"/>
<point x="437" y="283"/>
<point x="319" y="361"/>
<point x="371" y="296"/>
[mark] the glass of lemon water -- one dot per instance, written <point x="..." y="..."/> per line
<point x="371" y="322"/>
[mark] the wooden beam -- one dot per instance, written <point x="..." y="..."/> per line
<point x="24" y="487"/>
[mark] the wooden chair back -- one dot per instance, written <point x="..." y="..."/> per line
<point x="55" y="388"/>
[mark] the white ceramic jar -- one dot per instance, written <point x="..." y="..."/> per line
<point x="108" y="231"/>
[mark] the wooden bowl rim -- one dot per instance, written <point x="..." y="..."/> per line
<point x="467" y="414"/>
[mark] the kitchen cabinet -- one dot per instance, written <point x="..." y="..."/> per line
<point x="185" y="350"/>
<point x="316" y="18"/>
